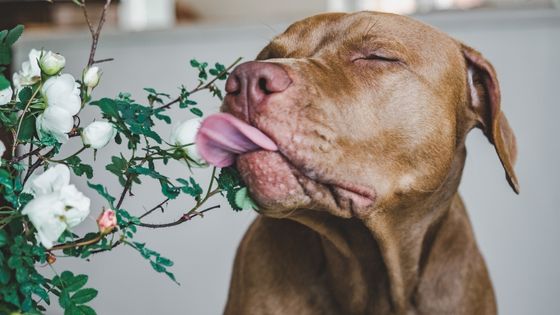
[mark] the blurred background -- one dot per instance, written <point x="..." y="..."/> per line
<point x="152" y="41"/>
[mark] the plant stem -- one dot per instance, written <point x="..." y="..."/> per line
<point x="200" y="85"/>
<point x="76" y="153"/>
<point x="95" y="33"/>
<point x="16" y="135"/>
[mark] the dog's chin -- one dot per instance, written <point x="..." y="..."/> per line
<point x="279" y="188"/>
<point x="272" y="182"/>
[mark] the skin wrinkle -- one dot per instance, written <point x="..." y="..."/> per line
<point x="392" y="129"/>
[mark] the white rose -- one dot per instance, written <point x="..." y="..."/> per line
<point x="30" y="71"/>
<point x="184" y="135"/>
<point x="91" y="77"/>
<point x="57" y="205"/>
<point x="64" y="92"/>
<point x="6" y="95"/>
<point x="98" y="134"/>
<point x="46" y="213"/>
<point x="50" y="181"/>
<point x="76" y="205"/>
<point x="55" y="121"/>
<point x="51" y="63"/>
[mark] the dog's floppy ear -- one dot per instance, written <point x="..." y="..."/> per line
<point x="485" y="101"/>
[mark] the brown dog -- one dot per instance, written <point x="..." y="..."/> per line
<point x="360" y="210"/>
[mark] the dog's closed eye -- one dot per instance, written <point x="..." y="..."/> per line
<point x="377" y="57"/>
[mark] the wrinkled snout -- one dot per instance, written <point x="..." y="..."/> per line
<point x="252" y="82"/>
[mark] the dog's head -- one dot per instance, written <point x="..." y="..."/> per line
<point x="368" y="111"/>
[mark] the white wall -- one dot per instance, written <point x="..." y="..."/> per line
<point x="518" y="235"/>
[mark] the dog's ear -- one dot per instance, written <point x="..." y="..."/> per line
<point x="485" y="101"/>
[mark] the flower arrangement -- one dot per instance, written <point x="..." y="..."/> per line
<point x="40" y="108"/>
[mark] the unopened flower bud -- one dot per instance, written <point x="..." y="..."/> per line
<point x="107" y="221"/>
<point x="51" y="259"/>
<point x="91" y="77"/>
<point x="98" y="134"/>
<point x="51" y="63"/>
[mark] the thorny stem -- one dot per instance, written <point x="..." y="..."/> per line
<point x="200" y="85"/>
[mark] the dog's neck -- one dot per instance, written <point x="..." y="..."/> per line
<point x="398" y="243"/>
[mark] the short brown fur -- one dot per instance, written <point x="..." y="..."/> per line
<point x="396" y="126"/>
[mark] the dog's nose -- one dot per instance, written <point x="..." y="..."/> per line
<point x="252" y="81"/>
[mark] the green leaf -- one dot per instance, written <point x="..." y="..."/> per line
<point x="196" y="111"/>
<point x="160" y="116"/>
<point x="3" y="238"/>
<point x="14" y="34"/>
<point x="164" y="261"/>
<point x="79" y="168"/>
<point x="84" y="296"/>
<point x="229" y="178"/>
<point x="25" y="95"/>
<point x="107" y="106"/>
<point x="85" y="310"/>
<point x="5" y="275"/>
<point x="27" y="130"/>
<point x="4" y="83"/>
<point x="10" y="295"/>
<point x="146" y="171"/>
<point x="3" y="35"/>
<point x="5" y="54"/>
<point x="76" y="283"/>
<point x="101" y="190"/>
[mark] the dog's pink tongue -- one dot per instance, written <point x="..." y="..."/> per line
<point x="222" y="137"/>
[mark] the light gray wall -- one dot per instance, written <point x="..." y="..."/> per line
<point x="518" y="235"/>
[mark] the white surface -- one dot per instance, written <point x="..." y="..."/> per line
<point x="518" y="235"/>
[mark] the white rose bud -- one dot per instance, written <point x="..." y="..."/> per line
<point x="91" y="77"/>
<point x="56" y="122"/>
<point x="51" y="63"/>
<point x="57" y="205"/>
<point x="6" y="95"/>
<point x="64" y="92"/>
<point x="98" y="134"/>
<point x="184" y="136"/>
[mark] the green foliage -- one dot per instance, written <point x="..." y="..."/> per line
<point x="79" y="168"/>
<point x="230" y="181"/>
<point x="191" y="187"/>
<point x="7" y="39"/>
<point x="72" y="294"/>
<point x="22" y="289"/>
<point x="19" y="281"/>
<point x="158" y="262"/>
<point x="102" y="191"/>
